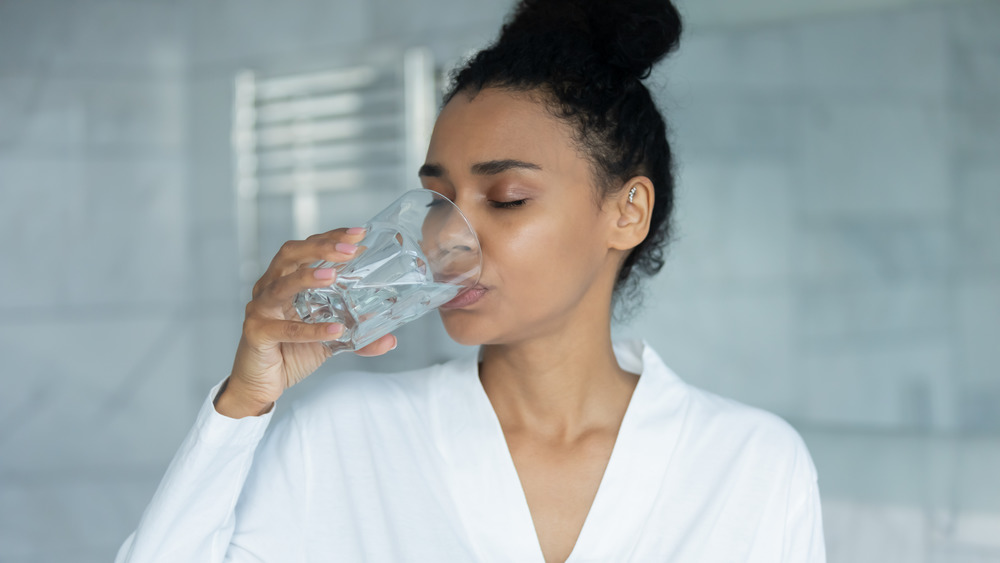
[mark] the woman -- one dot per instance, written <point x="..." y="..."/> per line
<point x="556" y="444"/>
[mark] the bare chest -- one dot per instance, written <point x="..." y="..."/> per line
<point x="560" y="483"/>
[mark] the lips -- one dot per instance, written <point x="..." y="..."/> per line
<point x="466" y="298"/>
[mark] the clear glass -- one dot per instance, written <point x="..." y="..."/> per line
<point x="418" y="253"/>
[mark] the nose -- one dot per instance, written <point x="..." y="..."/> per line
<point x="450" y="244"/>
<point x="455" y="234"/>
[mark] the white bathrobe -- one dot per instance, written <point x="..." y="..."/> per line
<point x="414" y="467"/>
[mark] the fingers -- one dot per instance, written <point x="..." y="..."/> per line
<point x="263" y="331"/>
<point x="288" y="275"/>
<point x="280" y="291"/>
<point x="385" y="344"/>
<point x="334" y="246"/>
<point x="260" y="331"/>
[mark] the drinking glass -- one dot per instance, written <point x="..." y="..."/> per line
<point x="418" y="254"/>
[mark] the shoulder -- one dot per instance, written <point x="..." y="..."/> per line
<point x="746" y="429"/>
<point x="724" y="428"/>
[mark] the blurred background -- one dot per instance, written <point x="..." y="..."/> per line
<point x="837" y="257"/>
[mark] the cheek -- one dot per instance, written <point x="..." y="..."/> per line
<point x="554" y="251"/>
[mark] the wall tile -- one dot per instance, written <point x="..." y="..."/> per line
<point x="209" y="149"/>
<point x="738" y="344"/>
<point x="228" y="31"/>
<point x="706" y="124"/>
<point x="93" y="516"/>
<point x="977" y="334"/>
<point x="216" y="329"/>
<point x="132" y="248"/>
<point x="948" y="475"/>
<point x="975" y="128"/>
<point x="125" y="115"/>
<point x="733" y="222"/>
<point x="880" y="383"/>
<point x="96" y="393"/>
<point x="152" y="31"/>
<point x="41" y="205"/>
<point x="838" y="314"/>
<point x="923" y="494"/>
<point x="47" y="115"/>
<point x="966" y="536"/>
<point x="961" y="554"/>
<point x="216" y="270"/>
<point x="866" y="533"/>
<point x="17" y="96"/>
<point x="898" y="55"/>
<point x="860" y="253"/>
<point x="975" y="485"/>
<point x="104" y="36"/>
<point x="415" y="21"/>
<point x="978" y="201"/>
<point x="874" y="159"/>
<point x="31" y="32"/>
<point x="974" y="23"/>
<point x="743" y="62"/>
<point x="56" y="116"/>
<point x="975" y="70"/>
<point x="861" y="467"/>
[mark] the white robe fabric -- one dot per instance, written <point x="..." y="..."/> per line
<point x="414" y="467"/>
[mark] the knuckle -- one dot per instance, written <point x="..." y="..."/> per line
<point x="293" y="329"/>
<point x="258" y="287"/>
<point x="250" y="326"/>
<point x="265" y="288"/>
<point x="327" y="245"/>
<point x="288" y="247"/>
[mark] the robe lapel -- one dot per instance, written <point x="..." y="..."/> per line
<point x="480" y="471"/>
<point x="486" y="488"/>
<point x="639" y="460"/>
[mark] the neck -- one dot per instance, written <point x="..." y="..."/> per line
<point x="561" y="385"/>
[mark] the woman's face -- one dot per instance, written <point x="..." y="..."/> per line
<point x="514" y="171"/>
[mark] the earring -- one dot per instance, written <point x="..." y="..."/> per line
<point x="631" y="194"/>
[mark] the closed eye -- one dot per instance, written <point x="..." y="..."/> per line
<point x="508" y="204"/>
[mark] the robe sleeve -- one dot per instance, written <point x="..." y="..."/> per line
<point x="192" y="514"/>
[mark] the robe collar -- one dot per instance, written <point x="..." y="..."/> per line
<point x="486" y="488"/>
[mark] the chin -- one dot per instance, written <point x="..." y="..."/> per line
<point x="466" y="329"/>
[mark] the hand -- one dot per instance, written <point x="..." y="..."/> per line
<point x="277" y="349"/>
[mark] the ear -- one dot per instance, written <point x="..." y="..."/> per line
<point x="630" y="219"/>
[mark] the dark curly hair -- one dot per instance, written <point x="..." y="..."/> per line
<point x="587" y="58"/>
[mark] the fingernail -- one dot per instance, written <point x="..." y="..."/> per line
<point x="346" y="248"/>
<point x="394" y="345"/>
<point x="323" y="273"/>
<point x="335" y="328"/>
<point x="355" y="230"/>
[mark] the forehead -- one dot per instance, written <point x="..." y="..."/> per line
<point x="497" y="123"/>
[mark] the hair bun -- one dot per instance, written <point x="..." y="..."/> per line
<point x="631" y="35"/>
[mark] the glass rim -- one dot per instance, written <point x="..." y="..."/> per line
<point x="435" y="195"/>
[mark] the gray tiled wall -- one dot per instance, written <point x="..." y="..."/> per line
<point x="837" y="256"/>
<point x="95" y="334"/>
<point x="831" y="168"/>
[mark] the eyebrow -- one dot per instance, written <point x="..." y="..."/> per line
<point x="487" y="168"/>
<point x="497" y="166"/>
<point x="431" y="171"/>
